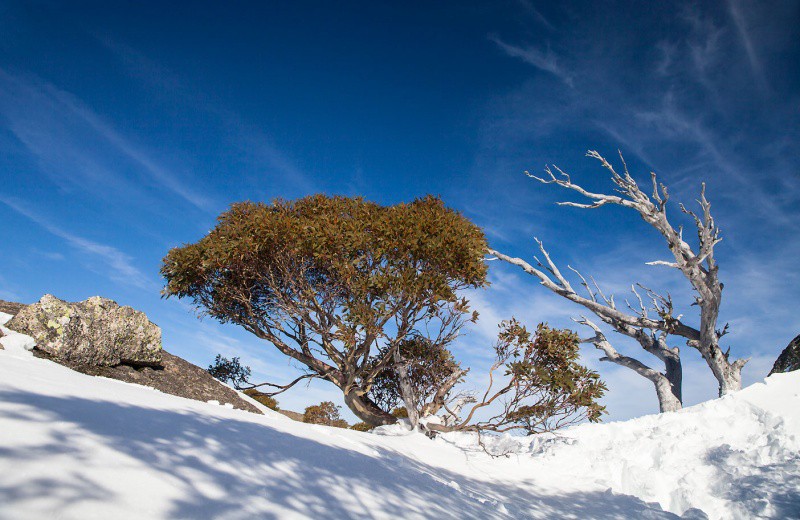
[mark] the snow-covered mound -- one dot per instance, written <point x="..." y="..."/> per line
<point x="75" y="446"/>
<point x="735" y="457"/>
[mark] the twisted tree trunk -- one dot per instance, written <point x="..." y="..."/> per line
<point x="667" y="383"/>
<point x="362" y="406"/>
<point x="698" y="267"/>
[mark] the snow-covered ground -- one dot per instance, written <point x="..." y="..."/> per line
<point x="74" y="446"/>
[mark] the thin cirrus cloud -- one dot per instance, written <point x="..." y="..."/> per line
<point x="747" y="42"/>
<point x="682" y="113"/>
<point x="61" y="132"/>
<point x="544" y="60"/>
<point x="255" y="147"/>
<point x="118" y="266"/>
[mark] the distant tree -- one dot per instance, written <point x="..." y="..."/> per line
<point x="230" y="370"/>
<point x="535" y="385"/>
<point x="263" y="398"/>
<point x="325" y="413"/>
<point x="651" y="319"/>
<point x="362" y="427"/>
<point x="336" y="284"/>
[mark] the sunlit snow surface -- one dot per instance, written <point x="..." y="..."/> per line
<point x="76" y="447"/>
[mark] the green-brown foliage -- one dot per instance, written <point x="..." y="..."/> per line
<point x="430" y="367"/>
<point x="362" y="427"/>
<point x="325" y="413"/>
<point x="400" y="412"/>
<point x="556" y="389"/>
<point x="544" y="385"/>
<point x="333" y="281"/>
<point x="261" y="397"/>
<point x="225" y="370"/>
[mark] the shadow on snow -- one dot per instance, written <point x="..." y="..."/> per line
<point x="255" y="465"/>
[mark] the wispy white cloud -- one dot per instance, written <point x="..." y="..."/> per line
<point x="265" y="158"/>
<point x="537" y="15"/>
<point x="256" y="147"/>
<point x="544" y="60"/>
<point x="740" y="22"/>
<point x="668" y="50"/>
<point x="627" y="142"/>
<point x="705" y="48"/>
<point x="672" y="121"/>
<point x="119" y="266"/>
<point x="705" y="41"/>
<point x="76" y="146"/>
<point x="51" y="255"/>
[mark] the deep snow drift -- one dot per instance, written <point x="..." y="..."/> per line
<point x="76" y="446"/>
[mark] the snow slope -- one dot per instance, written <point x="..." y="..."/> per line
<point x="76" y="446"/>
<point x="735" y="457"/>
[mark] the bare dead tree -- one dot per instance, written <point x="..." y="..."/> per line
<point x="635" y="322"/>
<point x="651" y="331"/>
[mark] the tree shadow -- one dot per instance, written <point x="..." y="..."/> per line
<point x="243" y="468"/>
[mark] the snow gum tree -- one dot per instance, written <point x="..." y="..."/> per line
<point x="651" y="319"/>
<point x="337" y="284"/>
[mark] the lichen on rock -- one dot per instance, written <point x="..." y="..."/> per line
<point x="96" y="331"/>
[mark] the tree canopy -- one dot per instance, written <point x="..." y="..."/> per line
<point x="336" y="283"/>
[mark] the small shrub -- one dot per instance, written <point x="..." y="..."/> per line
<point x="261" y="397"/>
<point x="224" y="369"/>
<point x="325" y="413"/>
<point x="543" y="386"/>
<point x="362" y="427"/>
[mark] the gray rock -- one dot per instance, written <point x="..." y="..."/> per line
<point x="789" y="359"/>
<point x="175" y="376"/>
<point x="11" y="308"/>
<point x="94" y="332"/>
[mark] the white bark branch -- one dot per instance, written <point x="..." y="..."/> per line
<point x="698" y="268"/>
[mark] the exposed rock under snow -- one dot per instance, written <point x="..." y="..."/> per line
<point x="95" y="332"/>
<point x="789" y="359"/>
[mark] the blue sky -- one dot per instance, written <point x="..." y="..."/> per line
<point x="125" y="128"/>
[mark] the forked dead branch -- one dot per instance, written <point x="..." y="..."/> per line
<point x="650" y="320"/>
